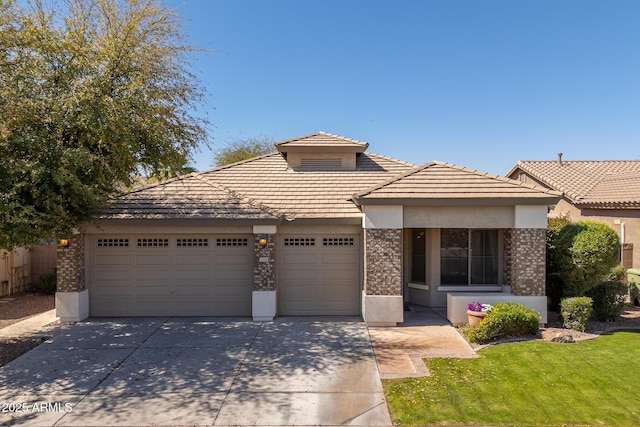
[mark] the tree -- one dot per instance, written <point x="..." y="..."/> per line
<point x="586" y="251"/>
<point x="91" y="95"/>
<point x="238" y="149"/>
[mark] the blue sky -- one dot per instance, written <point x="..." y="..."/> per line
<point x="476" y="83"/>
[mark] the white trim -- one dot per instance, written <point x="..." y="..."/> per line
<point x="263" y="306"/>
<point x="422" y="286"/>
<point x="470" y="288"/>
<point x="382" y="310"/>
<point x="265" y="229"/>
<point x="382" y="216"/>
<point x="530" y="216"/>
<point x="72" y="306"/>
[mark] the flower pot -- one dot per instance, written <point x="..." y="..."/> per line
<point x="475" y="317"/>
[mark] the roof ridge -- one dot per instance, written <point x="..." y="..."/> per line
<point x="393" y="159"/>
<point x="309" y="135"/>
<point x="550" y="182"/>
<point x="460" y="168"/>
<point x="248" y="200"/>
<point x="499" y="178"/>
<point x="393" y="179"/>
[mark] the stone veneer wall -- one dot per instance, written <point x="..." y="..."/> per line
<point x="70" y="265"/>
<point x="507" y="237"/>
<point x="383" y="261"/>
<point x="264" y="273"/>
<point x="528" y="257"/>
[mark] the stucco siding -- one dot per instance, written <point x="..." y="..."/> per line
<point x="458" y="217"/>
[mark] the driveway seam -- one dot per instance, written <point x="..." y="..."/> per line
<point x="114" y="369"/>
<point x="237" y="373"/>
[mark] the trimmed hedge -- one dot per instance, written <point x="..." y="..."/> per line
<point x="608" y="300"/>
<point x="506" y="319"/>
<point x="576" y="312"/>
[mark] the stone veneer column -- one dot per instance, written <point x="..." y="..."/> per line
<point x="382" y="299"/>
<point x="507" y="237"/>
<point x="72" y="296"/>
<point x="264" y="274"/>
<point x="528" y="258"/>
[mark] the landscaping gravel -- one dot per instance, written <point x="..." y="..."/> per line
<point x="19" y="307"/>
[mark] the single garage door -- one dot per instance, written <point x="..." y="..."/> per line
<point x="319" y="275"/>
<point x="207" y="275"/>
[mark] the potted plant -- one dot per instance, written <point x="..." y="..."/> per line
<point x="476" y="312"/>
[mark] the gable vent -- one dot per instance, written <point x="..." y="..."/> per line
<point x="322" y="163"/>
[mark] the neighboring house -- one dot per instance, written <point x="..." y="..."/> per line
<point x="14" y="271"/>
<point x="320" y="227"/>
<point x="601" y="190"/>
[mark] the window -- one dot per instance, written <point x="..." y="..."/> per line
<point x="299" y="241"/>
<point x="110" y="243"/>
<point x="418" y="255"/>
<point x="189" y="243"/>
<point x="337" y="241"/>
<point x="232" y="242"/>
<point x="153" y="243"/>
<point x="468" y="257"/>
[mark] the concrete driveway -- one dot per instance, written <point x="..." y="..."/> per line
<point x="197" y="371"/>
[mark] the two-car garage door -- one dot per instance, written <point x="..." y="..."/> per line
<point x="212" y="275"/>
<point x="169" y="275"/>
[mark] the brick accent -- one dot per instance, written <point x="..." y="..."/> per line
<point x="383" y="261"/>
<point x="264" y="272"/>
<point x="528" y="257"/>
<point x="507" y="237"/>
<point x="70" y="265"/>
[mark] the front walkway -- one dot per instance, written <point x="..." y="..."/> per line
<point x="425" y="333"/>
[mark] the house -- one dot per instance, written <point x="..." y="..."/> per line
<point x="600" y="190"/>
<point x="319" y="227"/>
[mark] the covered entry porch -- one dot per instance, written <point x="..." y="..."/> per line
<point x="443" y="234"/>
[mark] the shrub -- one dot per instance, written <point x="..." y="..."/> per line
<point x="576" y="311"/>
<point x="506" y="319"/>
<point x="608" y="300"/>
<point x="634" y="293"/>
<point x="583" y="253"/>
<point x="48" y="283"/>
<point x="617" y="274"/>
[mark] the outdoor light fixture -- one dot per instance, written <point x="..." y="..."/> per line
<point x="64" y="243"/>
<point x="262" y="240"/>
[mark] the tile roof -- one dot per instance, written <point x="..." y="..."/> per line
<point x="263" y="186"/>
<point x="439" y="182"/>
<point x="597" y="183"/>
<point x="322" y="139"/>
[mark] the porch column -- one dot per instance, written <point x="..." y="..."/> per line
<point x="72" y="296"/>
<point x="382" y="302"/>
<point x="528" y="261"/>
<point x="263" y="301"/>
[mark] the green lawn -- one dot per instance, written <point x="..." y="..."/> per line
<point x="530" y="383"/>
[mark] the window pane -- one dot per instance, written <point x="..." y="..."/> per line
<point x="484" y="257"/>
<point x="454" y="256"/>
<point x="418" y="259"/>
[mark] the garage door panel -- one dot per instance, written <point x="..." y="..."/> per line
<point x="154" y="275"/>
<point x="192" y="274"/>
<point x="115" y="259"/>
<point x="114" y="290"/>
<point x="193" y="259"/>
<point x="152" y="259"/>
<point x="320" y="279"/>
<point x="206" y="278"/>
<point x="113" y="275"/>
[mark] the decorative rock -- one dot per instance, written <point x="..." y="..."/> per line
<point x="557" y="336"/>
